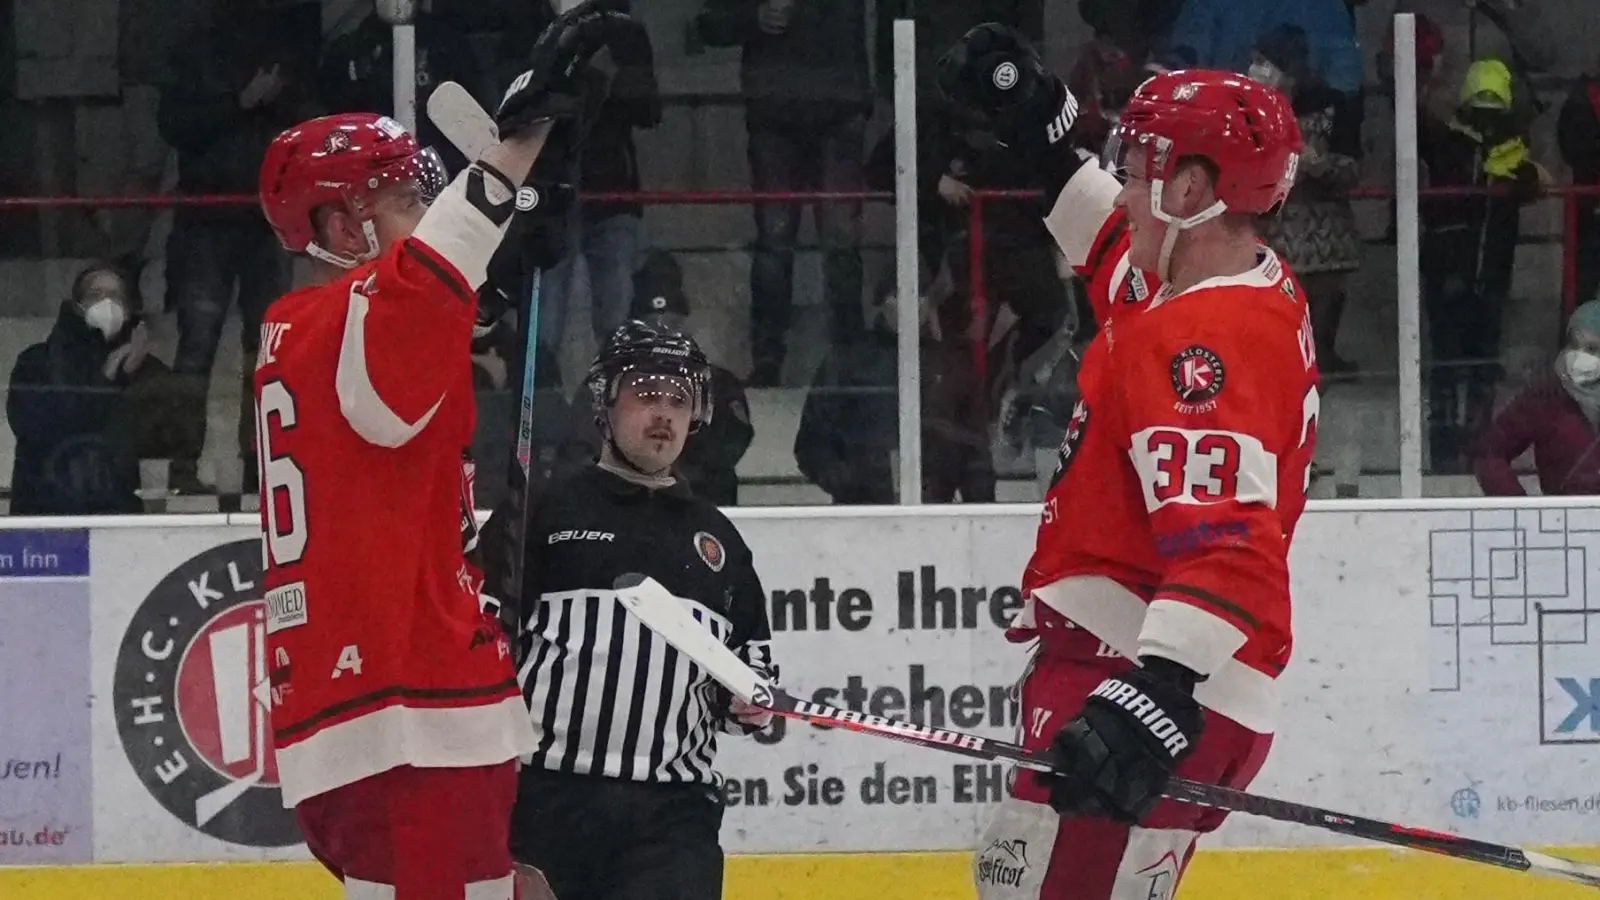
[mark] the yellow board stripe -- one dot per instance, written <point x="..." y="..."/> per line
<point x="1337" y="874"/>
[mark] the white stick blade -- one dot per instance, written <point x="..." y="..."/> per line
<point x="1583" y="873"/>
<point x="461" y="120"/>
<point x="665" y="615"/>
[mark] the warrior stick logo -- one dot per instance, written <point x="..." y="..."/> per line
<point x="849" y="718"/>
<point x="192" y="695"/>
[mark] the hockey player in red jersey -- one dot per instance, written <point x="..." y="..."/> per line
<point x="1158" y="590"/>
<point x="396" y="716"/>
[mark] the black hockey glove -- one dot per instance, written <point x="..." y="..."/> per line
<point x="554" y="85"/>
<point x="1115" y="758"/>
<point x="995" y="83"/>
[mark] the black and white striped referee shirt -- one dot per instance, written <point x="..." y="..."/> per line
<point x="607" y="695"/>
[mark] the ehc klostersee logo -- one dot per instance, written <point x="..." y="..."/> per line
<point x="192" y="699"/>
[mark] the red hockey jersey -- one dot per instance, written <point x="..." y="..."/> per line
<point x="377" y="651"/>
<point x="1181" y="477"/>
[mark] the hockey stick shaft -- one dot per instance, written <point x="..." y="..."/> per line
<point x="666" y="616"/>
<point x="466" y="125"/>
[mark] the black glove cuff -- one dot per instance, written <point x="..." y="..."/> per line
<point x="1177" y="674"/>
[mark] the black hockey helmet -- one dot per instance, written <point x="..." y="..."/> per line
<point x="650" y="348"/>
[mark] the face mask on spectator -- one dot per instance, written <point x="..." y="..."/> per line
<point x="1581" y="366"/>
<point x="106" y="316"/>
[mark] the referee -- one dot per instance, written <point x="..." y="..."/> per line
<point x="621" y="799"/>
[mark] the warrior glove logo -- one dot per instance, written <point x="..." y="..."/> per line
<point x="192" y="693"/>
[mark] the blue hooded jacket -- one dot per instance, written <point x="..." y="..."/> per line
<point x="1222" y="34"/>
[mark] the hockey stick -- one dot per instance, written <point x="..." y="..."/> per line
<point x="664" y="614"/>
<point x="466" y="125"/>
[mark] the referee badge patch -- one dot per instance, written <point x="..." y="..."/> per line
<point x="710" y="550"/>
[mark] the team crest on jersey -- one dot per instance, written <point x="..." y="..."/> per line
<point x="192" y="695"/>
<point x="1197" y="377"/>
<point x="710" y="550"/>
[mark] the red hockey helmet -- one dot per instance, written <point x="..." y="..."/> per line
<point x="341" y="159"/>
<point x="1244" y="129"/>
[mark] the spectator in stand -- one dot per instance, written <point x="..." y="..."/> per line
<point x="1433" y="89"/>
<point x="849" y="427"/>
<point x="1578" y="134"/>
<point x="358" y="73"/>
<point x="1222" y="34"/>
<point x="807" y="97"/>
<point x="79" y="420"/>
<point x="1110" y="65"/>
<point x="1315" y="228"/>
<point x="1558" y="415"/>
<point x="1020" y="277"/>
<point x="711" y="455"/>
<point x="605" y="236"/>
<point x="234" y="86"/>
<point x="940" y="23"/>
<point x="1468" y="249"/>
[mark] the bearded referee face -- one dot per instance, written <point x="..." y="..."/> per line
<point x="650" y="420"/>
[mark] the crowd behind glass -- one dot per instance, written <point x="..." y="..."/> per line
<point x="126" y="395"/>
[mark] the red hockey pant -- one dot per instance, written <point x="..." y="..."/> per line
<point x="417" y="834"/>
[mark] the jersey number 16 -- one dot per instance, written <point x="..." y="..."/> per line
<point x="283" y="484"/>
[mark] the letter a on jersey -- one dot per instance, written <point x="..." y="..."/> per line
<point x="349" y="661"/>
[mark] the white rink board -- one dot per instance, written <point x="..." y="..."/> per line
<point x="1415" y="692"/>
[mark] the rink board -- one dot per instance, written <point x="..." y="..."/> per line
<point x="1443" y="677"/>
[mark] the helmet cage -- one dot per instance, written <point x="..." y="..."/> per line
<point x="605" y="383"/>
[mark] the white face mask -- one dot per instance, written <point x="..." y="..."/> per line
<point x="1581" y="366"/>
<point x="106" y="316"/>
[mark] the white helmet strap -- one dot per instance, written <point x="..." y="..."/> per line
<point x="344" y="261"/>
<point x="1176" y="225"/>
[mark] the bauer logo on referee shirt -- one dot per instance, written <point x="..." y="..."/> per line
<point x="192" y="691"/>
<point x="710" y="550"/>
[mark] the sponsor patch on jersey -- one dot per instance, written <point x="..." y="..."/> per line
<point x="710" y="550"/>
<point x="1197" y="377"/>
<point x="286" y="607"/>
<point x="1135" y="288"/>
<point x="191" y="691"/>
<point x="1004" y="863"/>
